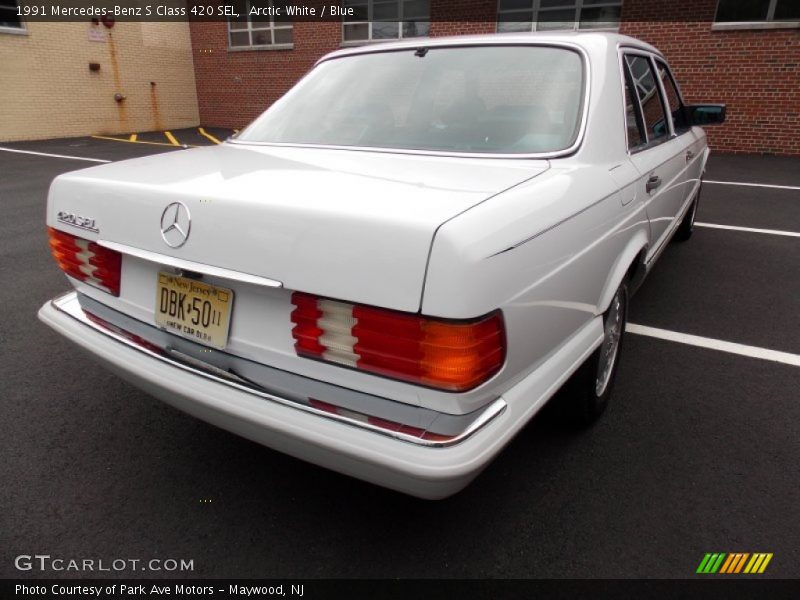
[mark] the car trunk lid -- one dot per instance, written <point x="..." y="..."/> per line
<point x="351" y="225"/>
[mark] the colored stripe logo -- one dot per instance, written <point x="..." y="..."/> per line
<point x="735" y="562"/>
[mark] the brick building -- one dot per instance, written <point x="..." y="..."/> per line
<point x="745" y="54"/>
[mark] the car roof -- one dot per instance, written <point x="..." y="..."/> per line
<point x="582" y="39"/>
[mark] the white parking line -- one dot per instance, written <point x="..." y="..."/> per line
<point x="748" y="229"/>
<point x="97" y="160"/>
<point x="713" y="344"/>
<point x="763" y="185"/>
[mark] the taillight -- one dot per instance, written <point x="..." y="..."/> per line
<point x="447" y="354"/>
<point x="87" y="261"/>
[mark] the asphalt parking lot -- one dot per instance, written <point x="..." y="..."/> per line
<point x="699" y="452"/>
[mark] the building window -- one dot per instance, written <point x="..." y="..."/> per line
<point x="10" y="21"/>
<point x="546" y="15"/>
<point x="259" y="31"/>
<point x="754" y="11"/>
<point x="377" y="20"/>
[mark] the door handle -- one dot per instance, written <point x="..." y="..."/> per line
<point x="689" y="155"/>
<point x="653" y="183"/>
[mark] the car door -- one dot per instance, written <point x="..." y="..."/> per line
<point x="660" y="158"/>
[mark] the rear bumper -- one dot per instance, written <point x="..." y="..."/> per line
<point x="424" y="468"/>
<point x="432" y="456"/>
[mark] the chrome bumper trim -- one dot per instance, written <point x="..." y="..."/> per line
<point x="448" y="429"/>
<point x="188" y="265"/>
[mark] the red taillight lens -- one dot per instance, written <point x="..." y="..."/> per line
<point x="86" y="261"/>
<point x="451" y="355"/>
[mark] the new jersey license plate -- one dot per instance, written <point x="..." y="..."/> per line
<point x="193" y="309"/>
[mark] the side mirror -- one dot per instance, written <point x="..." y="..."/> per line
<point x="706" y="114"/>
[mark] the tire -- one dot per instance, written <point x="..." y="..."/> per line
<point x="686" y="228"/>
<point x="586" y="395"/>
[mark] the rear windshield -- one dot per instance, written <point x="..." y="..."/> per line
<point x="485" y="99"/>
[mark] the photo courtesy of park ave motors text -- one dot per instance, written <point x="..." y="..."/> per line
<point x="399" y="290"/>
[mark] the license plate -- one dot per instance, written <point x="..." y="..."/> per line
<point x="194" y="310"/>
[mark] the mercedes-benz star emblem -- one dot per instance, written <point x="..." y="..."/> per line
<point x="176" y="222"/>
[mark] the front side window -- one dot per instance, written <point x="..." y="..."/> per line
<point x="9" y="19"/>
<point x="673" y="99"/>
<point x="544" y="15"/>
<point x="375" y="20"/>
<point x="258" y="30"/>
<point x="644" y="81"/>
<point x="482" y="99"/>
<point x="732" y="11"/>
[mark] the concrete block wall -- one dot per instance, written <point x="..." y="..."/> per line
<point x="48" y="90"/>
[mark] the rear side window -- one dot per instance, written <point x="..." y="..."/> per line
<point x="646" y="86"/>
<point x="633" y="118"/>
<point x="673" y="99"/>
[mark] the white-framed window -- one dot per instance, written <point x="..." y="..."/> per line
<point x="10" y="21"/>
<point x="757" y="11"/>
<point x="259" y="31"/>
<point x="377" y="20"/>
<point x="546" y="15"/>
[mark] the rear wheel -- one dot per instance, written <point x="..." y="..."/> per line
<point x="586" y="395"/>
<point x="686" y="228"/>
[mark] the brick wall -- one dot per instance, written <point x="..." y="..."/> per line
<point x="463" y="17"/>
<point x="235" y="87"/>
<point x="755" y="72"/>
<point x="47" y="89"/>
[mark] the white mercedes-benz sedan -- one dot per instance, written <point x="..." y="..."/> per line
<point x="402" y="260"/>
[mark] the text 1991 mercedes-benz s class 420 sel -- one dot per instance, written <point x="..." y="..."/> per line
<point x="391" y="270"/>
